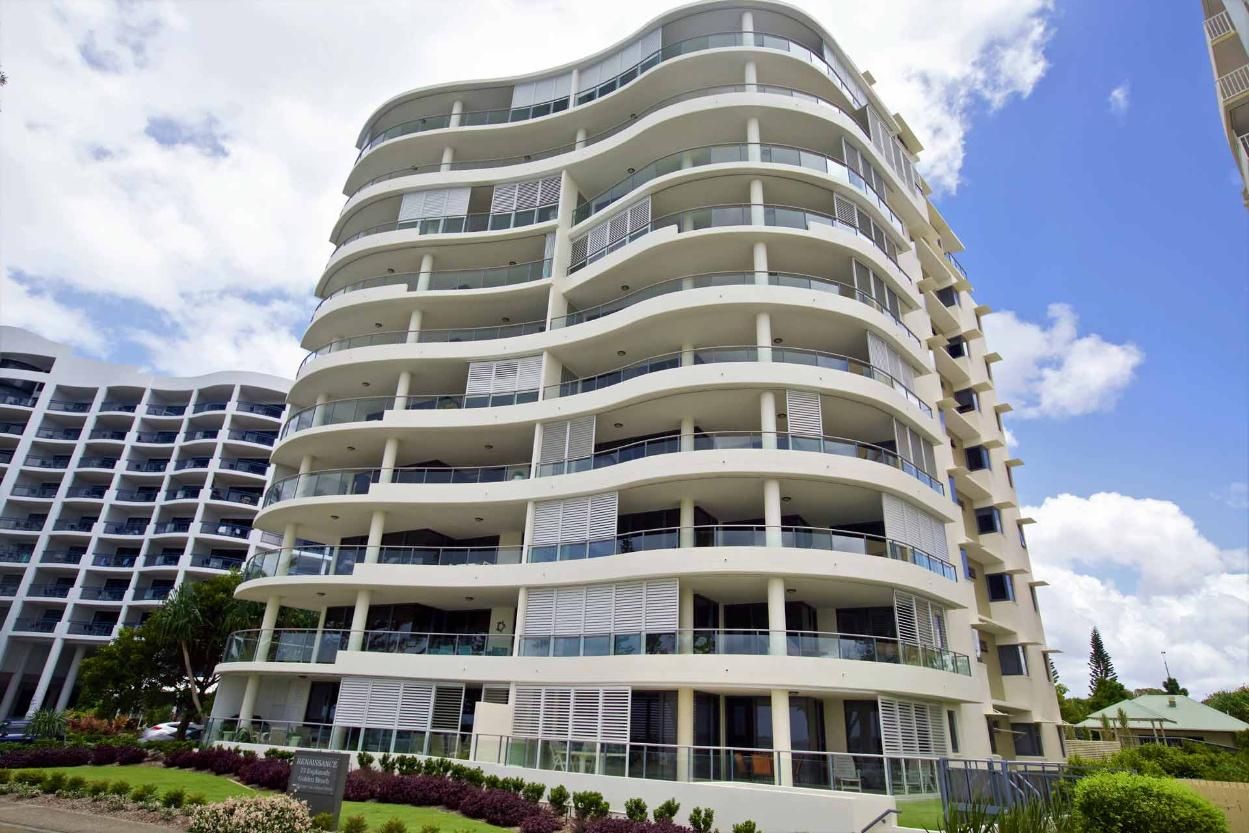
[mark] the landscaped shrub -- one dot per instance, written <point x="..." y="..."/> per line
<point x="142" y="793"/>
<point x="323" y="821"/>
<point x="195" y="800"/>
<point x="506" y="809"/>
<point x="5" y="776"/>
<point x="281" y="754"/>
<point x="354" y="824"/>
<point x="1121" y="802"/>
<point x="667" y="811"/>
<point x="746" y="826"/>
<point x="393" y="826"/>
<point x="120" y="788"/>
<point x="45" y="756"/>
<point x="30" y="778"/>
<point x="542" y="822"/>
<point x="103" y="755"/>
<point x="361" y="785"/>
<point x="588" y="806"/>
<point x="97" y="788"/>
<point x="130" y="755"/>
<point x="1188" y="761"/>
<point x="75" y="785"/>
<point x="533" y="791"/>
<point x="558" y="799"/>
<point x="701" y="819"/>
<point x="267" y="814"/>
<point x="364" y="760"/>
<point x="635" y="809"/>
<point x="53" y="782"/>
<point x="267" y="773"/>
<point x="173" y="797"/>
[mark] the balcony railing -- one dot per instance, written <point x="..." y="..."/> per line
<point x="6" y="456"/>
<point x="74" y="524"/>
<point x="739" y="214"/>
<point x="732" y="440"/>
<point x="12" y="428"/>
<point x="1235" y="83"/>
<point x="205" y="434"/>
<point x="10" y="556"/>
<point x="19" y="401"/>
<point x="162" y="559"/>
<point x="248" y="498"/>
<point x="58" y="434"/>
<point x="493" y="277"/>
<point x="256" y="437"/>
<point x="156" y="437"/>
<point x="103" y="594"/>
<point x="184" y="493"/>
<point x="36" y="625"/>
<point x="292" y="645"/>
<point x="49" y="591"/>
<point x="153" y="594"/>
<point x="125" y="528"/>
<point x="259" y="467"/>
<point x="68" y="407"/>
<point x="137" y="496"/>
<point x="123" y="561"/>
<point x="166" y="410"/>
<point x="216" y="562"/>
<point x="264" y="409"/>
<point x="147" y="466"/>
<point x="193" y="463"/>
<point x="171" y="528"/>
<point x="22" y="524"/>
<point x="358" y="481"/>
<point x="61" y="557"/>
<point x="371" y="408"/>
<point x="739" y="152"/>
<point x="462" y="223"/>
<point x="329" y="560"/>
<point x="42" y="492"/>
<point x="1219" y="25"/>
<point x="115" y="407"/>
<point x="204" y="407"/>
<point x="97" y="462"/>
<point x="87" y="492"/>
<point x="37" y="462"/>
<point x="226" y="529"/>
<point x="106" y="434"/>
<point x="91" y="628"/>
<point x="426" y="337"/>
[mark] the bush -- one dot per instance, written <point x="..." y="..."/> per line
<point x="323" y="821"/>
<point x="542" y="822"/>
<point x="588" y="806"/>
<point x="701" y="819"/>
<point x="635" y="809"/>
<point x="1121" y="802"/>
<point x="533" y="792"/>
<point x="30" y="779"/>
<point x="54" y="782"/>
<point x="558" y="799"/>
<point x="667" y="811"/>
<point x="75" y="785"/>
<point x="499" y="807"/>
<point x="5" y="776"/>
<point x="266" y="814"/>
<point x="354" y="824"/>
<point x="103" y="755"/>
<point x="45" y="756"/>
<point x="267" y="773"/>
<point x="173" y="797"/>
<point x="280" y="754"/>
<point x="1191" y="760"/>
<point x="619" y="826"/>
<point x="48" y="723"/>
<point x="120" y="788"/>
<point x="142" y="793"/>
<point x="97" y="789"/>
<point x="393" y="826"/>
<point x="195" y="800"/>
<point x="365" y="760"/>
<point x="130" y="755"/>
<point x="746" y="826"/>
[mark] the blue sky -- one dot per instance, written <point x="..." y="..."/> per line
<point x="169" y="208"/>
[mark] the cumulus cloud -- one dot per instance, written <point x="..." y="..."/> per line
<point x="1141" y="571"/>
<point x="197" y="162"/>
<point x="1120" y="99"/>
<point x="1050" y="370"/>
<point x="37" y="309"/>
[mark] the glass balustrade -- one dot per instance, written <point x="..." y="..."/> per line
<point x="486" y="278"/>
<point x="461" y="223"/>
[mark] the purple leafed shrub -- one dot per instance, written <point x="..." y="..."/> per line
<point x="361" y="785"/>
<point x="42" y="756"/>
<point x="268" y="773"/>
<point x="627" y="826"/>
<point x="128" y="754"/>
<point x="542" y="821"/>
<point x="104" y="755"/>
<point x="501" y="807"/>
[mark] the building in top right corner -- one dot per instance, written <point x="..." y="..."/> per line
<point x="647" y="443"/>
<point x="1227" y="34"/>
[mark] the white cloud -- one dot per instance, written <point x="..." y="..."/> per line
<point x="1190" y="599"/>
<point x="1120" y="99"/>
<point x="1235" y="495"/>
<point x="37" y="310"/>
<point x="195" y="160"/>
<point x="1052" y="371"/>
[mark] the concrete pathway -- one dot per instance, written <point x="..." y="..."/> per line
<point x="37" y="818"/>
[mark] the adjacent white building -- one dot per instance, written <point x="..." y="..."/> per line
<point x="647" y="442"/>
<point x="1227" y="35"/>
<point x="115" y="486"/>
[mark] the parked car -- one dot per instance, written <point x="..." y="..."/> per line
<point x="15" y="731"/>
<point x="169" y="731"/>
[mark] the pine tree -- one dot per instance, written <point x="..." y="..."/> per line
<point x="1172" y="686"/>
<point x="1100" y="666"/>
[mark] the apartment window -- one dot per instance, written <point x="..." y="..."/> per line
<point x="1023" y="540"/>
<point x="977" y="457"/>
<point x="1001" y="587"/>
<point x="967" y="400"/>
<point x="982" y="647"/>
<point x="956" y="347"/>
<point x="1027" y="739"/>
<point x="949" y="716"/>
<point x="948" y="296"/>
<point x="969" y="571"/>
<point x="1013" y="660"/>
<point x="992" y="734"/>
<point x="988" y="520"/>
<point x="953" y="490"/>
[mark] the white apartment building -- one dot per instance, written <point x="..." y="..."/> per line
<point x="647" y="442"/>
<point x="115" y="486"/>
<point x="1227" y="34"/>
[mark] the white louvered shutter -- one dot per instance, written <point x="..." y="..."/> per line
<point x="598" y="238"/>
<point x="546" y="522"/>
<point x="554" y="442"/>
<point x="569" y="611"/>
<point x="618" y="227"/>
<point x="527" y="712"/>
<point x="548" y="246"/>
<point x="629" y="613"/>
<point x="580" y="249"/>
<point x="639" y="215"/>
<point x="603" y="512"/>
<point x="529" y="372"/>
<point x="845" y="210"/>
<point x="415" y="706"/>
<point x="600" y="601"/>
<point x="556" y="712"/>
<point x="527" y="194"/>
<point x="663" y="602"/>
<point x="540" y="611"/>
<point x="923" y="622"/>
<point x="878" y="352"/>
<point x="456" y="204"/>
<point x="911" y="728"/>
<point x="353" y="701"/>
<point x="448" y="706"/>
<point x="503" y="199"/>
<point x="804" y="413"/>
<point x="580" y="433"/>
<point x="890" y="728"/>
<point x="586" y="713"/>
<point x="894" y="511"/>
<point x="617" y="703"/>
<point x="906" y="617"/>
<point x="383" y="708"/>
<point x="498" y="694"/>
<point x="548" y="191"/>
<point x="574" y="522"/>
<point x="480" y="378"/>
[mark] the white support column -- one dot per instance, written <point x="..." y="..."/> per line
<point x="457" y="110"/>
<point x="377" y="528"/>
<point x="528" y="539"/>
<point x="522" y="605"/>
<point x="45" y="678"/>
<point x="414" y="326"/>
<point x="22" y="654"/>
<point x="754" y="152"/>
<point x="287" y="553"/>
<point x="763" y="335"/>
<point x="687" y="355"/>
<point x="687" y="438"/>
<point x="756" y="202"/>
<point x="776" y="613"/>
<point x="248" y="707"/>
<point x="71" y="677"/>
<point x="687" y="519"/>
<point x="573" y="82"/>
<point x="316" y="638"/>
<point x="579" y="142"/>
<point x="267" y="622"/>
<point x="305" y="463"/>
<point x="772" y="512"/>
<point x="752" y="77"/>
<point x="685" y="731"/>
<point x="767" y="418"/>
<point x="401" y="390"/>
<point x="359" y="619"/>
<point x="318" y="415"/>
<point x="389" y="452"/>
<point x="781" y="740"/>
<point x="448" y="156"/>
<point x="748" y="26"/>
<point x="422" y="275"/>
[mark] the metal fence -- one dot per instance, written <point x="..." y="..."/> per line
<point x="996" y="784"/>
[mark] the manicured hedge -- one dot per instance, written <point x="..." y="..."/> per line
<point x="498" y="806"/>
<point x="1120" y="802"/>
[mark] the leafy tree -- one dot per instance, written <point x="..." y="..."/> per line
<point x="1107" y="693"/>
<point x="1172" y="686"/>
<point x="1100" y="666"/>
<point x="1234" y="703"/>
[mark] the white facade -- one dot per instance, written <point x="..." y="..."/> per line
<point x="624" y="448"/>
<point x="115" y="486"/>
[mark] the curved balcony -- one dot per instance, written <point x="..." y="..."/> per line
<point x="460" y="223"/>
<point x="268" y="410"/>
<point x="329" y="560"/>
<point x="698" y="43"/>
<point x="426" y="337"/>
<point x="494" y="277"/>
<point x="373" y="408"/>
<point x="306" y="645"/>
<point x="358" y="481"/>
<point x="22" y="524"/>
<point x="19" y="401"/>
<point x="720" y="216"/>
<point x="738" y="152"/>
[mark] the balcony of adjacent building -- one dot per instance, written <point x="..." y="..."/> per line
<point x="33" y="490"/>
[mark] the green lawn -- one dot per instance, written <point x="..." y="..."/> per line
<point x="924" y="814"/>
<point x="218" y="788"/>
